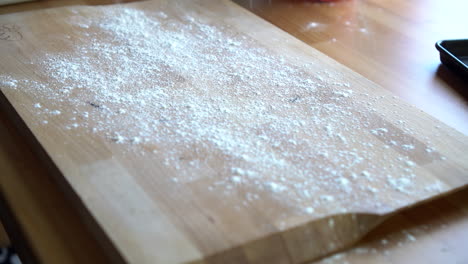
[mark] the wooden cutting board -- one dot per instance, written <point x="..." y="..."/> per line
<point x="195" y="132"/>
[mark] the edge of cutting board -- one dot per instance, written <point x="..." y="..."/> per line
<point x="57" y="175"/>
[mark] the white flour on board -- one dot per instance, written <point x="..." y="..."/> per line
<point x="195" y="93"/>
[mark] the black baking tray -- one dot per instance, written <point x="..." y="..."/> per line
<point x="454" y="55"/>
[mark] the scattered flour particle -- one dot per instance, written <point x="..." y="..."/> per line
<point x="436" y="187"/>
<point x="336" y="257"/>
<point x="344" y="93"/>
<point x="329" y="130"/>
<point x="363" y="30"/>
<point x="361" y="251"/>
<point x="327" y="198"/>
<point x="312" y="25"/>
<point x="238" y="171"/>
<point x="118" y="139"/>
<point x="37" y="105"/>
<point x="429" y="150"/>
<point x="276" y="187"/>
<point x="45" y="122"/>
<point x="410" y="163"/>
<point x="55" y="112"/>
<point x="366" y="174"/>
<point x="236" y="179"/>
<point x="245" y="157"/>
<point x="343" y="181"/>
<point x="342" y="138"/>
<point x="161" y="14"/>
<point x="323" y="154"/>
<point x="309" y="210"/>
<point x="379" y="131"/>
<point x="400" y="184"/>
<point x="10" y="83"/>
<point x="384" y="241"/>
<point x="344" y="184"/>
<point x="407" y="147"/>
<point x="136" y="140"/>
<point x="410" y="237"/>
<point x="331" y="223"/>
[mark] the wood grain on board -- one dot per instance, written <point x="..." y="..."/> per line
<point x="138" y="209"/>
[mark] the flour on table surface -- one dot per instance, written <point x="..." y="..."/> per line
<point x="193" y="93"/>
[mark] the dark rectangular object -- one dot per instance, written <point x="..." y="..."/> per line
<point x="454" y="54"/>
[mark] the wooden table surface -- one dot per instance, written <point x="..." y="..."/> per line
<point x="388" y="42"/>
